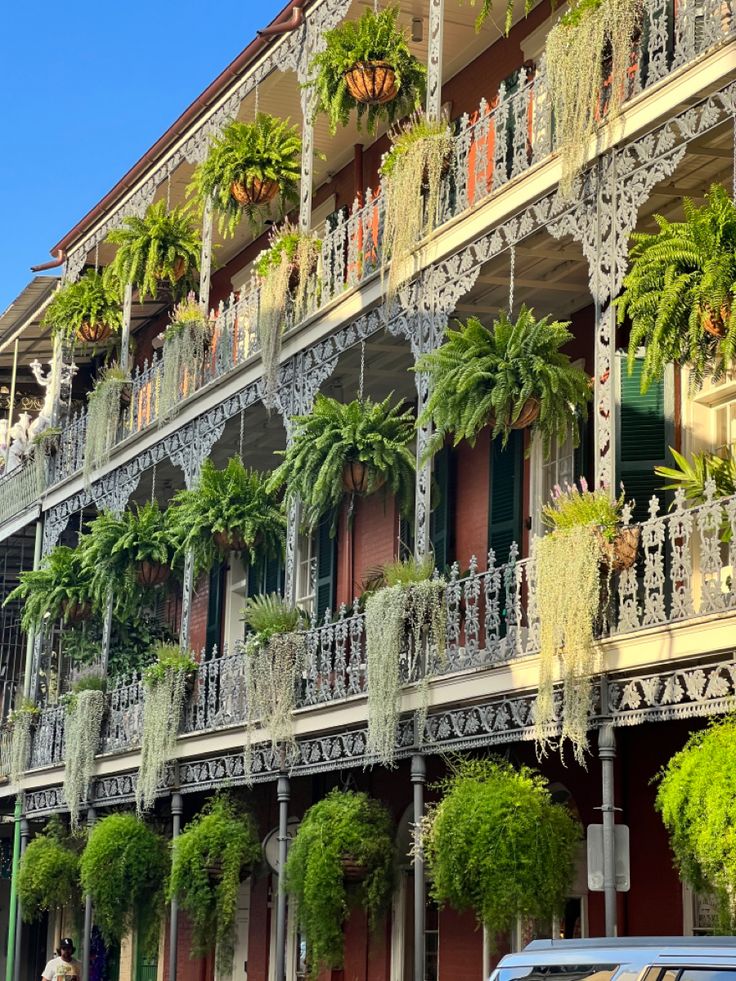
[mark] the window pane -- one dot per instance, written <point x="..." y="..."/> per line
<point x="558" y="972"/>
<point x="716" y="974"/>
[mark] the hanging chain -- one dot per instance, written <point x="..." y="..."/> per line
<point x="97" y="256"/>
<point x="361" y="383"/>
<point x="242" y="430"/>
<point x="511" y="280"/>
<point x="153" y="485"/>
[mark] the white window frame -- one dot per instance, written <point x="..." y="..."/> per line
<point x="306" y="572"/>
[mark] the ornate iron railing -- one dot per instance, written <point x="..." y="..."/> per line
<point x="684" y="569"/>
<point x="495" y="144"/>
<point x="21" y="487"/>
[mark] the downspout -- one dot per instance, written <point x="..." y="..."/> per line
<point x="54" y="264"/>
<point x="10" y="958"/>
<point x="297" y="19"/>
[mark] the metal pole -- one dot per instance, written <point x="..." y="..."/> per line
<point x="419" y="778"/>
<point x="205" y="261"/>
<point x="607" y="754"/>
<point x="24" y="832"/>
<point x="305" y="184"/>
<point x="125" y="332"/>
<point x="177" y="807"/>
<point x="11" y="403"/>
<point x="10" y="956"/>
<point x="28" y="674"/>
<point x="434" y="61"/>
<point x="283" y="795"/>
<point x="186" y="600"/>
<point x="106" y="633"/>
<point x="87" y="913"/>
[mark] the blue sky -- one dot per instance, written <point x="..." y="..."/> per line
<point x="85" y="89"/>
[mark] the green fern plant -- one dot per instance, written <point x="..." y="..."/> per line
<point x="61" y="587"/>
<point x="94" y="299"/>
<point x="229" y="509"/>
<point x="163" y="246"/>
<point x="268" y="614"/>
<point x="483" y="376"/>
<point x="486" y="9"/>
<point x="336" y="435"/>
<point x="375" y="37"/>
<point x="267" y="150"/>
<point x="680" y="290"/>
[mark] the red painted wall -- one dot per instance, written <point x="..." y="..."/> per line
<point x="198" y="614"/>
<point x="460" y="947"/>
<point x="188" y="968"/>
<point x="371" y="542"/>
<point x="472" y="491"/>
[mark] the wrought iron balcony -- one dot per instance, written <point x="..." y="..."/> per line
<point x="684" y="570"/>
<point x="494" y="145"/>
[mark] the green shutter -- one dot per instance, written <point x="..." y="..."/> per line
<point x="443" y="509"/>
<point x="215" y="606"/>
<point x="266" y="575"/>
<point x="507" y="472"/>
<point x="326" y="566"/>
<point x="644" y="433"/>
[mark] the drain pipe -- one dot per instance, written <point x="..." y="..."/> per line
<point x="54" y="264"/>
<point x="297" y="19"/>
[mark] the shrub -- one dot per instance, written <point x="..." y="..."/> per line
<point x="48" y="878"/>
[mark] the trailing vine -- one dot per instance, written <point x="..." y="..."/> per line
<point x="103" y="417"/>
<point x="345" y="825"/>
<point x="21" y="721"/>
<point x="208" y="861"/>
<point x="165" y="689"/>
<point x="576" y="54"/>
<point x="185" y="343"/>
<point x="496" y="843"/>
<point x="48" y="877"/>
<point x="84" y="711"/>
<point x="697" y="800"/>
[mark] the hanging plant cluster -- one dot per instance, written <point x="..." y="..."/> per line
<point x="166" y="684"/>
<point x="593" y="39"/>
<point x="48" y="877"/>
<point x="86" y="311"/>
<point x="274" y="657"/>
<point x="103" y="416"/>
<point x="411" y="182"/>
<point x="186" y="340"/>
<point x="411" y="605"/>
<point x="84" y="712"/>
<point x="20" y="723"/>
<point x="342" y="856"/>
<point x="497" y="844"/>
<point x="209" y="859"/>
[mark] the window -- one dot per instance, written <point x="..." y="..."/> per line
<point x="557" y="470"/>
<point x="724" y="436"/>
<point x="306" y="577"/>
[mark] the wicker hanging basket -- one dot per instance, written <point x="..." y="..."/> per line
<point x="620" y="554"/>
<point x="229" y="541"/>
<point x="357" y="477"/>
<point x="93" y="333"/>
<point x="372" y="82"/>
<point x="152" y="573"/>
<point x="528" y="415"/>
<point x="254" y="191"/>
<point x="76" y="612"/>
<point x="352" y="869"/>
<point x="715" y="322"/>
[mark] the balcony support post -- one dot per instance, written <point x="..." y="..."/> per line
<point x="106" y="634"/>
<point x="418" y="779"/>
<point x="87" y="936"/>
<point x="305" y="183"/>
<point x="177" y="806"/>
<point x="186" y="600"/>
<point x="11" y="956"/>
<point x="434" y="61"/>
<point x="28" y="673"/>
<point x="125" y="332"/>
<point x="25" y="832"/>
<point x="607" y="755"/>
<point x="283" y="793"/>
<point x="205" y="262"/>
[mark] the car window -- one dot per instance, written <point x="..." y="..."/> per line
<point x="561" y="972"/>
<point x="707" y="974"/>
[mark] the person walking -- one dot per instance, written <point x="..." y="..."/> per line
<point x="63" y="967"/>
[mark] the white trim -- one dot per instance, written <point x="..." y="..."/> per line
<point x="398" y="918"/>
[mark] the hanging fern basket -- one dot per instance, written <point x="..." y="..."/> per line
<point x="76" y="612"/>
<point x="152" y="573"/>
<point x="352" y="869"/>
<point x="372" y="83"/>
<point x="357" y="477"/>
<point x="254" y="191"/>
<point x="90" y="333"/>
<point x="232" y="541"/>
<point x="620" y="554"/>
<point x="528" y="415"/>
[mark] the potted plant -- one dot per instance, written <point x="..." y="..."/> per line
<point x="230" y="510"/>
<point x="680" y="290"/>
<point x="274" y="656"/>
<point x="103" y="415"/>
<point x="162" y="247"/>
<point x="346" y="832"/>
<point x="84" y="712"/>
<point x="512" y="375"/>
<point x="48" y="876"/>
<point x="587" y="540"/>
<point x="697" y="800"/>
<point x="87" y="310"/>
<point x="124" y="868"/>
<point x="411" y="179"/>
<point x="590" y="36"/>
<point x="283" y="272"/>
<point x="166" y="684"/>
<point x="209" y="859"/>
<point x="498" y="845"/>
<point x="186" y="340"/>
<point x="61" y="588"/>
<point x="367" y="65"/>
<point x="247" y="166"/>
<point x="20" y="723"/>
<point x="353" y="448"/>
<point x="407" y="609"/>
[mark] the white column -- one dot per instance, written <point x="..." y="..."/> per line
<point x="434" y="65"/>
<point x="205" y="261"/>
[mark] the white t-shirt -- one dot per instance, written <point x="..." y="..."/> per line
<point x="57" y="967"/>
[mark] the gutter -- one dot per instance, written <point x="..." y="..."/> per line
<point x="233" y="71"/>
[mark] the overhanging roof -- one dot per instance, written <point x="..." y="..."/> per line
<point x="22" y="320"/>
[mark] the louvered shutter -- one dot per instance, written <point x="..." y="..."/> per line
<point x="443" y="509"/>
<point x="213" y="635"/>
<point x="504" y="522"/>
<point x="326" y="564"/>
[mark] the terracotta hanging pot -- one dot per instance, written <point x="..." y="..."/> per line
<point x="152" y="573"/>
<point x="254" y="191"/>
<point x="372" y="82"/>
<point x="621" y="553"/>
<point x="229" y="541"/>
<point x="76" y="612"/>
<point x="357" y="478"/>
<point x="528" y="415"/>
<point x="352" y="869"/>
<point x="93" y="333"/>
<point x="715" y="322"/>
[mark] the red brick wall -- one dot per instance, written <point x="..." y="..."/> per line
<point x="198" y="614"/>
<point x="259" y="928"/>
<point x="370" y="543"/>
<point x="461" y="947"/>
<point x="473" y="465"/>
<point x="188" y="968"/>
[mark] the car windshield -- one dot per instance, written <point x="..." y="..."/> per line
<point x="556" y="972"/>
